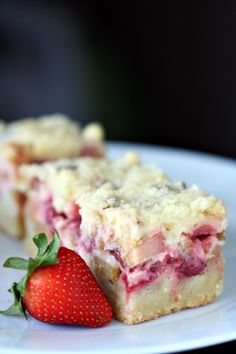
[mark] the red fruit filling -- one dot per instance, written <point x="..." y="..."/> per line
<point x="90" y="150"/>
<point x="88" y="244"/>
<point x="182" y="266"/>
<point x="66" y="223"/>
<point x="203" y="230"/>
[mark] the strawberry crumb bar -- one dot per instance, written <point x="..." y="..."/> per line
<point x="154" y="246"/>
<point x="36" y="140"/>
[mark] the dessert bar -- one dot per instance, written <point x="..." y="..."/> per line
<point x="154" y="246"/>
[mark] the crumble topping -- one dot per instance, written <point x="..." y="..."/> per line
<point x="92" y="132"/>
<point x="124" y="202"/>
<point x="50" y="137"/>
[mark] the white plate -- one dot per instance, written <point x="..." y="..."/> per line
<point x="211" y="324"/>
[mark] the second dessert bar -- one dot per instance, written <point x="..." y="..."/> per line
<point x="35" y="140"/>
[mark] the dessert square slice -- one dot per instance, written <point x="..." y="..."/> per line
<point x="37" y="140"/>
<point x="154" y="246"/>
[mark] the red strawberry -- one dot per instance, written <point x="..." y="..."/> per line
<point x="58" y="287"/>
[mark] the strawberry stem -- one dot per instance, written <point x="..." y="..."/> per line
<point x="47" y="255"/>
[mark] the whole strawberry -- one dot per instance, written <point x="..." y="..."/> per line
<point x="58" y="287"/>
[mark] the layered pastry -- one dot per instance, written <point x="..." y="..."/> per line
<point x="35" y="141"/>
<point x="154" y="246"/>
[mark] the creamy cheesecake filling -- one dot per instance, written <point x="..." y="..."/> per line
<point x="153" y="258"/>
<point x="174" y="262"/>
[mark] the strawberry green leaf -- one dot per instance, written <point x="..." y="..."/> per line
<point x="54" y="245"/>
<point x="47" y="255"/>
<point x="16" y="263"/>
<point x="41" y="242"/>
<point x="50" y="260"/>
<point x="21" y="285"/>
<point x="17" y="308"/>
